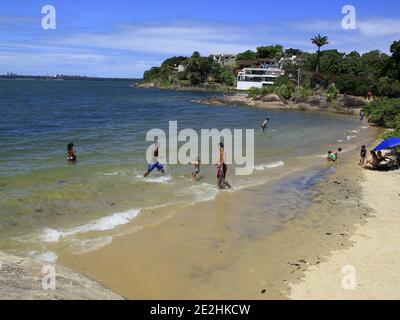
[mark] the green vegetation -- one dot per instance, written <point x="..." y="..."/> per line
<point x="198" y="71"/>
<point x="385" y="112"/>
<point x="319" y="41"/>
<point x="328" y="71"/>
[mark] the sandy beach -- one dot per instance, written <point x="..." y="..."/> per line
<point x="374" y="254"/>
<point x="203" y="253"/>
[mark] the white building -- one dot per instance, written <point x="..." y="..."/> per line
<point x="180" y="68"/>
<point x="262" y="72"/>
<point x="224" y="59"/>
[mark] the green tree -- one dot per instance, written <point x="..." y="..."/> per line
<point x="393" y="69"/>
<point x="247" y="55"/>
<point x="319" y="41"/>
<point x="332" y="92"/>
<point x="292" y="52"/>
<point x="272" y="52"/>
<point x="227" y="76"/>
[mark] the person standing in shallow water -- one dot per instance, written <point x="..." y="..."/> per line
<point x="222" y="168"/>
<point x="264" y="124"/>
<point x="154" y="162"/>
<point x="71" y="152"/>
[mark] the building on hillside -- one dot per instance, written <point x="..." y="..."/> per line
<point x="257" y="73"/>
<point x="224" y="59"/>
<point x="180" y="68"/>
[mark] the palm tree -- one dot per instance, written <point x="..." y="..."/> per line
<point x="319" y="41"/>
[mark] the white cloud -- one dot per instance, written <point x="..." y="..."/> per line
<point x="166" y="39"/>
<point x="127" y="50"/>
<point x="380" y="27"/>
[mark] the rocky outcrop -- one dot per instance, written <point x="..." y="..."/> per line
<point x="146" y="85"/>
<point x="26" y="279"/>
<point x="343" y="104"/>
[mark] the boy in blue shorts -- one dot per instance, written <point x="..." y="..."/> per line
<point x="154" y="162"/>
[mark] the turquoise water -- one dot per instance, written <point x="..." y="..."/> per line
<point x="44" y="200"/>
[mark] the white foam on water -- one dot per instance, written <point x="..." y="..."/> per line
<point x="203" y="192"/>
<point x="102" y="224"/>
<point x="80" y="246"/>
<point x="48" y="256"/>
<point x="160" y="179"/>
<point x="355" y="131"/>
<point x="271" y="165"/>
<point x="51" y="235"/>
<point x="340" y="140"/>
<point x="350" y="137"/>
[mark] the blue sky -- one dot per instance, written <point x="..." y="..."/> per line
<point x="122" y="38"/>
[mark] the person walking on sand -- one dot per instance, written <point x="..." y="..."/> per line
<point x="363" y="155"/>
<point x="154" y="162"/>
<point x="264" y="124"/>
<point x="71" y="152"/>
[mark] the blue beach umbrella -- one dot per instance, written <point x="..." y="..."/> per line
<point x="388" y="144"/>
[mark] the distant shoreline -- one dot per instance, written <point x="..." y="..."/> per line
<point x="63" y="78"/>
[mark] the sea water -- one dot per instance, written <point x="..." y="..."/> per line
<point x="47" y="204"/>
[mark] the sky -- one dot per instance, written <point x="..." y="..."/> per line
<point x="123" y="38"/>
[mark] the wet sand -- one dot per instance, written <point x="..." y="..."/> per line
<point x="373" y="258"/>
<point x="210" y="252"/>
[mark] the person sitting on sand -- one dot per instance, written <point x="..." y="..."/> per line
<point x="154" y="162"/>
<point x="264" y="124"/>
<point x="363" y="155"/>
<point x="373" y="163"/>
<point x="331" y="156"/>
<point x="381" y="157"/>
<point x="196" y="168"/>
<point x="71" y="152"/>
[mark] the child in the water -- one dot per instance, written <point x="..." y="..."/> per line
<point x="71" y="152"/>
<point x="196" y="168"/>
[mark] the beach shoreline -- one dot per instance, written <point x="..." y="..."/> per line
<point x="195" y="255"/>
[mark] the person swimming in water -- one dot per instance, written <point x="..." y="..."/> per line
<point x="264" y="124"/>
<point x="154" y="162"/>
<point x="71" y="152"/>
